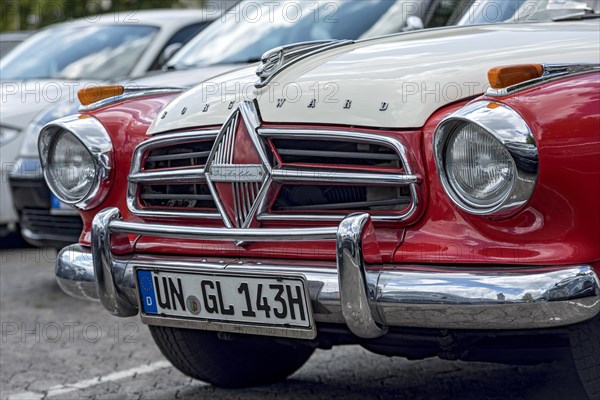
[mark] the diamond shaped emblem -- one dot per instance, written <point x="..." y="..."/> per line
<point x="237" y="169"/>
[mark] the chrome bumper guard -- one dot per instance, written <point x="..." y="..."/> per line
<point x="368" y="298"/>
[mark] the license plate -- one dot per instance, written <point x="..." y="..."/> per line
<point x="57" y="207"/>
<point x="262" y="304"/>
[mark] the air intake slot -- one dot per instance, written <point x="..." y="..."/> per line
<point x="327" y="152"/>
<point x="341" y="198"/>
<point x="182" y="155"/>
<point x="195" y="196"/>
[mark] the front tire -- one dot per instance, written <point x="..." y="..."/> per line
<point x="585" y="347"/>
<point x="229" y="363"/>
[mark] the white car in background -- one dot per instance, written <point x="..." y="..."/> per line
<point x="10" y="40"/>
<point x="53" y="64"/>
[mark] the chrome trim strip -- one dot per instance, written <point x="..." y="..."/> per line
<point x="338" y="154"/>
<point x="448" y="297"/>
<point x="551" y="73"/>
<point x="510" y="129"/>
<point x="131" y="92"/>
<point x="136" y="176"/>
<point x="220" y="207"/>
<point x="175" y="176"/>
<point x="249" y="115"/>
<point x="337" y="176"/>
<point x="205" y="233"/>
<point x="92" y="134"/>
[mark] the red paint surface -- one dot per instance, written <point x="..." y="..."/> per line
<point x="127" y="123"/>
<point x="560" y="225"/>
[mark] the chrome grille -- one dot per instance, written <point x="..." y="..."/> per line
<point x="167" y="176"/>
<point x="326" y="174"/>
<point x="312" y="174"/>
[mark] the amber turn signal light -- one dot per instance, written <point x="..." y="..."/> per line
<point x="503" y="77"/>
<point x="91" y="95"/>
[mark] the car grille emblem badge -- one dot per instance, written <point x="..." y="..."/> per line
<point x="237" y="169"/>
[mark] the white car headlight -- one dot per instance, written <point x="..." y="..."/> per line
<point x="71" y="167"/>
<point x="77" y="159"/>
<point x="479" y="167"/>
<point x="7" y="134"/>
<point x="486" y="158"/>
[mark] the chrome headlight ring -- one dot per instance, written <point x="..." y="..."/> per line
<point x="508" y="128"/>
<point x="96" y="140"/>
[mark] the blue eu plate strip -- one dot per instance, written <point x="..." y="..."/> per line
<point x="54" y="202"/>
<point x="147" y="295"/>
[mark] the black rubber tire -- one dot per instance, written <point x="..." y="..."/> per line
<point x="585" y="347"/>
<point x="229" y="363"/>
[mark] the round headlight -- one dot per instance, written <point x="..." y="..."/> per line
<point x="76" y="153"/>
<point x="479" y="168"/>
<point x="487" y="159"/>
<point x="71" y="168"/>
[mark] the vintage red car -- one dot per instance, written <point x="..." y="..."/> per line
<point x="423" y="194"/>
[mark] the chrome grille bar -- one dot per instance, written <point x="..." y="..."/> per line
<point x="175" y="157"/>
<point x="343" y="206"/>
<point x="235" y="234"/>
<point x="337" y="154"/>
<point x="336" y="176"/>
<point x="170" y="176"/>
<point x="153" y="196"/>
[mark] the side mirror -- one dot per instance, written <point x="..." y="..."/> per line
<point x="413" y="23"/>
<point x="168" y="52"/>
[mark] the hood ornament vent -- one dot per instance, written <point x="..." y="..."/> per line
<point x="279" y="58"/>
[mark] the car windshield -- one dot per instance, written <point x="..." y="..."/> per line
<point x="90" y="51"/>
<point x="490" y="11"/>
<point x="251" y="28"/>
<point x="495" y="11"/>
<point x="548" y="10"/>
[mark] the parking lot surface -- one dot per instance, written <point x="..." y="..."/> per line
<point x="56" y="347"/>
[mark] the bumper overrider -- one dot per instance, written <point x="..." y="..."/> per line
<point x="368" y="298"/>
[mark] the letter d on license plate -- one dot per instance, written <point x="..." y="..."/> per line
<point x="258" y="304"/>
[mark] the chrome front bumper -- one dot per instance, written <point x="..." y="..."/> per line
<point x="368" y="298"/>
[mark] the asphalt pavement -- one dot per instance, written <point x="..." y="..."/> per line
<point x="56" y="347"/>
